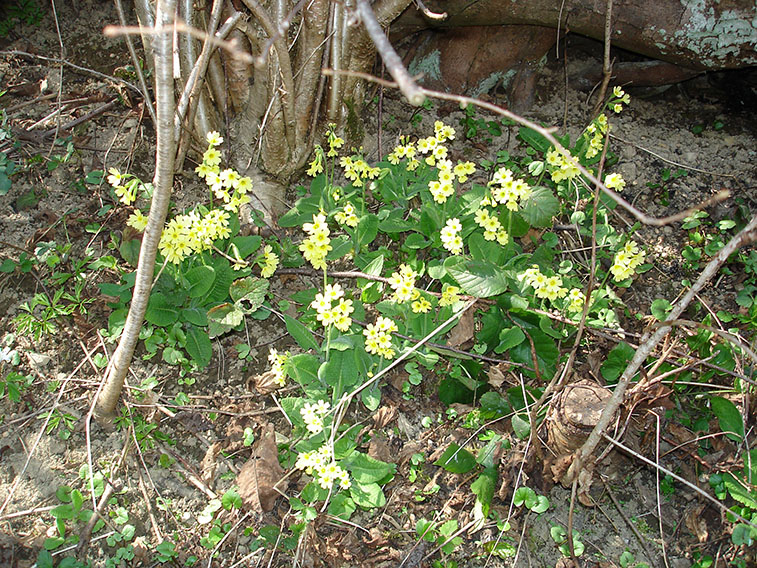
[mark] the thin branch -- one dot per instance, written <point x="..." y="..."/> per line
<point x="415" y="95"/>
<point x="438" y="16"/>
<point x="230" y="46"/>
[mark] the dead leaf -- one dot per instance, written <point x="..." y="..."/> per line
<point x="379" y="449"/>
<point x="495" y="376"/>
<point x="463" y="331"/>
<point x="696" y="524"/>
<point x="264" y="383"/>
<point x="208" y="465"/>
<point x="383" y="416"/>
<point x="258" y="477"/>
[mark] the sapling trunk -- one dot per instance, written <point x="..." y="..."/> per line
<point x="163" y="181"/>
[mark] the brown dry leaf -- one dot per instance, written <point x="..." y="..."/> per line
<point x="208" y="465"/>
<point x="379" y="449"/>
<point x="495" y="376"/>
<point x="560" y="467"/>
<point x="264" y="383"/>
<point x="463" y="331"/>
<point x="384" y="416"/>
<point x="258" y="477"/>
<point x="696" y="524"/>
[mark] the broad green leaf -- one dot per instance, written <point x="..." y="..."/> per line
<point x="545" y="348"/>
<point x="509" y="338"/>
<point x="375" y="266"/>
<point x="339" y="372"/>
<point x="367" y="229"/>
<point x="456" y="459"/>
<point x="483" y="488"/>
<point x="534" y="139"/>
<point x="160" y="311"/>
<point x="481" y="249"/>
<point x="521" y="426"/>
<point x="524" y="496"/>
<point x="198" y="346"/>
<point x="303" y="368"/>
<point x="541" y="505"/>
<point x="301" y="334"/>
<point x="365" y="469"/>
<point x="129" y="251"/>
<point x="540" y="207"/>
<point x="729" y="418"/>
<point x="494" y="405"/>
<point x="195" y="316"/>
<point x="477" y="277"/>
<point x="340" y="246"/>
<point x="617" y="361"/>
<point x="743" y="534"/>
<point x="219" y="291"/>
<point x="660" y="308"/>
<point x="249" y="290"/>
<point x="367" y="495"/>
<point x="246" y="245"/>
<point x="416" y="241"/>
<point x="341" y="506"/>
<point x="200" y="280"/>
<point x="223" y="318"/>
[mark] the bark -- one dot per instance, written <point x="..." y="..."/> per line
<point x="699" y="34"/>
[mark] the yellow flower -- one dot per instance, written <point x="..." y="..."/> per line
<point x="115" y="177"/>
<point x="214" y="138"/>
<point x="137" y="220"/>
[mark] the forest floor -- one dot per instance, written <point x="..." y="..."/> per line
<point x="676" y="147"/>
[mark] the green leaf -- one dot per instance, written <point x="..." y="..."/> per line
<point x="341" y="246"/>
<point x="617" y="361"/>
<point x="339" y="372"/>
<point x="246" y="245"/>
<point x="521" y="426"/>
<point x="483" y="488"/>
<point x="456" y="459"/>
<point x="524" y="496"/>
<point x="540" y="207"/>
<point x="660" y="308"/>
<point x="478" y="278"/>
<point x="743" y="534"/>
<point x="729" y="418"/>
<point x="481" y="249"/>
<point x="541" y="505"/>
<point x="195" y="316"/>
<point x="219" y="291"/>
<point x="367" y="495"/>
<point x="365" y="469"/>
<point x="160" y="311"/>
<point x="200" y="280"/>
<point x="545" y="348"/>
<point x="198" y="346"/>
<point x="534" y="139"/>
<point x="341" y="506"/>
<point x="223" y="318"/>
<point x="301" y="334"/>
<point x="367" y="229"/>
<point x="494" y="405"/>
<point x="44" y="559"/>
<point x="509" y="338"/>
<point x="231" y="499"/>
<point x="249" y="290"/>
<point x="416" y="241"/>
<point x="129" y="251"/>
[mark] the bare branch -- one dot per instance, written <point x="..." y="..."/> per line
<point x="428" y="13"/>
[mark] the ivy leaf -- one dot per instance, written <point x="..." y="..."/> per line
<point x="729" y="418"/>
<point x="540" y="207"/>
<point x="616" y="362"/>
<point x="478" y="278"/>
<point x="456" y="459"/>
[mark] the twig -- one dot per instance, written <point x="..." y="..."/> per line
<point x="648" y="343"/>
<point x="415" y="95"/>
<point x="179" y="26"/>
<point x="428" y="13"/>
<point x="607" y="63"/>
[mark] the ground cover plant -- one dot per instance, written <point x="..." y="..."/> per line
<point x="429" y="340"/>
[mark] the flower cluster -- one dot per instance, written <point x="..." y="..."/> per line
<point x="491" y="225"/>
<point x="597" y="130"/>
<point x="549" y="287"/>
<point x="269" y="262"/>
<point x="187" y="234"/>
<point x="508" y="191"/>
<point x="227" y="185"/>
<point x="317" y="245"/>
<point x="420" y="304"/>
<point x="405" y="149"/>
<point x="321" y="462"/>
<point x="620" y="97"/>
<point x="449" y="295"/>
<point x="576" y="300"/>
<point x="125" y="186"/>
<point x="347" y="216"/>
<point x="626" y="261"/>
<point x="328" y="313"/>
<point x="615" y="181"/>
<point x="403" y="284"/>
<point x="313" y="413"/>
<point x="450" y="235"/>
<point x="334" y="142"/>
<point x="357" y="170"/>
<point x="378" y="337"/>
<point x="562" y="167"/>
<point x="277" y="361"/>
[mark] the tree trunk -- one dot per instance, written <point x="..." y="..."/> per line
<point x="698" y="34"/>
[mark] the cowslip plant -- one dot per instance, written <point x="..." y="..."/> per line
<point x="204" y="284"/>
<point x="426" y="234"/>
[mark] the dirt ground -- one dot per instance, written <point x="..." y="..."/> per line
<point x="705" y="127"/>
